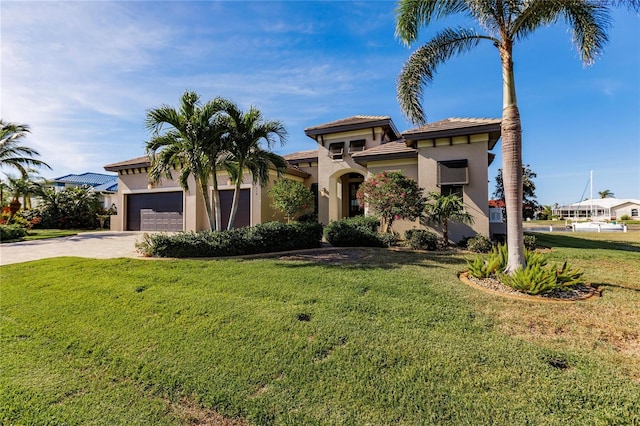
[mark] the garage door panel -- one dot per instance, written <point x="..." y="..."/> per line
<point x="161" y="211"/>
<point x="243" y="215"/>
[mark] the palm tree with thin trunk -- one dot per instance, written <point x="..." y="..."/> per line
<point x="15" y="155"/>
<point x="245" y="133"/>
<point x="190" y="143"/>
<point x="504" y="23"/>
<point x="442" y="209"/>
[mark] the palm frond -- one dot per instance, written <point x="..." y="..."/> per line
<point x="412" y="14"/>
<point x="588" y="20"/>
<point x="420" y="68"/>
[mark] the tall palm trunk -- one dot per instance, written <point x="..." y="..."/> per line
<point x="204" y="191"/>
<point x="512" y="161"/>
<point x="216" y="202"/>
<point x="234" y="204"/>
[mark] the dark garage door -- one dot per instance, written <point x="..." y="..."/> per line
<point x="155" y="212"/>
<point x="243" y="216"/>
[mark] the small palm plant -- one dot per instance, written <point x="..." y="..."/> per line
<point x="443" y="209"/>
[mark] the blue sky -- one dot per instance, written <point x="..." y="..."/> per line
<point x="82" y="75"/>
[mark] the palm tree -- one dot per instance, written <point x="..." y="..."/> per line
<point x="606" y="194"/>
<point x="245" y="132"/>
<point x="446" y="208"/>
<point x="505" y="22"/>
<point x="23" y="187"/>
<point x="192" y="142"/>
<point x="13" y="154"/>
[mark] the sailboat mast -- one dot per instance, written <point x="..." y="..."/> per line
<point x="591" y="197"/>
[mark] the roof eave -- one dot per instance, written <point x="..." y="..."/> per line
<point x="312" y="132"/>
<point x="417" y="135"/>
<point x="364" y="159"/>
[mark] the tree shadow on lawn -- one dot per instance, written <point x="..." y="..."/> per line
<point x="566" y="241"/>
<point x="603" y="286"/>
<point x="362" y="258"/>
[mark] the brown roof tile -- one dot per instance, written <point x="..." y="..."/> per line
<point x="128" y="164"/>
<point x="352" y="123"/>
<point x="456" y="126"/>
<point x="144" y="162"/>
<point x="310" y="155"/>
<point x="387" y="151"/>
<point x="453" y="123"/>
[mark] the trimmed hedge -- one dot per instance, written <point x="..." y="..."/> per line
<point x="355" y="232"/>
<point x="12" y="232"/>
<point x="263" y="238"/>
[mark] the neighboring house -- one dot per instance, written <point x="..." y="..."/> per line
<point x="449" y="156"/>
<point x="600" y="209"/>
<point x="497" y="223"/>
<point x="106" y="186"/>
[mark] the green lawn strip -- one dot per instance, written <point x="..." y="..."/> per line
<point x="392" y="339"/>
<point x="43" y="234"/>
<point x="607" y="258"/>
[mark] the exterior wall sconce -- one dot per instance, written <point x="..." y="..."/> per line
<point x="150" y="185"/>
<point x="324" y="192"/>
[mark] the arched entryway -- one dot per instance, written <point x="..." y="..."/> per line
<point x="350" y="184"/>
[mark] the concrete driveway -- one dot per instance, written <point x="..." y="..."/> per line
<point x="97" y="245"/>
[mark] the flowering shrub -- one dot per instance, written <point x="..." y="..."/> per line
<point x="392" y="196"/>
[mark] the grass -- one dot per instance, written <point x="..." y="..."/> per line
<point x="383" y="338"/>
<point x="41" y="234"/>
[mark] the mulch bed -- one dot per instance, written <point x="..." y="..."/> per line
<point x="491" y="285"/>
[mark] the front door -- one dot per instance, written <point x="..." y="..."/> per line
<point x="354" y="207"/>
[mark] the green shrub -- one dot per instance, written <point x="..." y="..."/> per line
<point x="421" y="239"/>
<point x="389" y="239"/>
<point x="263" y="238"/>
<point x="354" y="232"/>
<point x="494" y="264"/>
<point x="370" y="223"/>
<point x="530" y="242"/>
<point x="479" y="244"/>
<point x="625" y="217"/>
<point x="536" y="278"/>
<point x="11" y="232"/>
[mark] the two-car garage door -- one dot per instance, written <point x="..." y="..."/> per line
<point x="161" y="211"/>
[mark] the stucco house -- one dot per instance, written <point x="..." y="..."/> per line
<point x="448" y="156"/>
<point x="106" y="186"/>
<point x="600" y="209"/>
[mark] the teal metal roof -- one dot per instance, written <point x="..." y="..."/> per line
<point x="100" y="182"/>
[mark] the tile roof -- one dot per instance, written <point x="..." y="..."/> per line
<point x="144" y="162"/>
<point x="389" y="150"/>
<point x="352" y="123"/>
<point x="302" y="155"/>
<point x="128" y="164"/>
<point x="456" y="126"/>
<point x="453" y="123"/>
<point x="356" y="119"/>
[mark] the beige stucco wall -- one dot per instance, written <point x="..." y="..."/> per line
<point x="475" y="193"/>
<point x="409" y="168"/>
<point x="137" y="182"/>
<point x="331" y="199"/>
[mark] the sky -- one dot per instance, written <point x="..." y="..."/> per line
<point x="82" y="75"/>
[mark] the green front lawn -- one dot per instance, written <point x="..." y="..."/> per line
<point x="41" y="234"/>
<point x="376" y="337"/>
